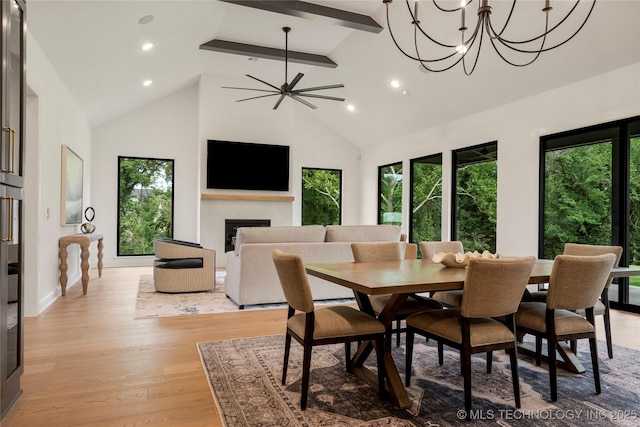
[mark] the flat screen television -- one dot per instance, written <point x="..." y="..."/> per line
<point x="247" y="166"/>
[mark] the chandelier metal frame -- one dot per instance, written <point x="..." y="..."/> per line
<point x="483" y="25"/>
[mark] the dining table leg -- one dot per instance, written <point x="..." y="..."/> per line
<point x="395" y="386"/>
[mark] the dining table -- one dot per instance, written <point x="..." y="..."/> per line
<point x="401" y="279"/>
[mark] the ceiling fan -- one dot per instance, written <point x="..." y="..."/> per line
<point x="287" y="89"/>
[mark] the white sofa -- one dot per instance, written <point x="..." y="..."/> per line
<point x="251" y="276"/>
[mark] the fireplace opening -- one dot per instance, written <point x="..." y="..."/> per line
<point x="231" y="226"/>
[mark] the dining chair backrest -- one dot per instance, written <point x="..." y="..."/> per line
<point x="429" y="249"/>
<point x="294" y="280"/>
<point x="377" y="251"/>
<point x="577" y="281"/>
<point x="411" y="251"/>
<point x="494" y="287"/>
<point x="580" y="249"/>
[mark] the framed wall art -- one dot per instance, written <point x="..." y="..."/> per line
<point x="71" y="194"/>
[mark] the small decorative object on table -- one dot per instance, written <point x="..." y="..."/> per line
<point x="461" y="260"/>
<point x="89" y="215"/>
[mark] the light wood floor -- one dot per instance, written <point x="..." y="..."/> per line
<point x="88" y="362"/>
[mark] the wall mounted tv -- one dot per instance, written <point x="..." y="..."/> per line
<point x="247" y="166"/>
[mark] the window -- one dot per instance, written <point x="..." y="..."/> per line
<point x="321" y="196"/>
<point x="474" y="210"/>
<point x="590" y="193"/>
<point x="145" y="203"/>
<point x="426" y="199"/>
<point x="390" y="194"/>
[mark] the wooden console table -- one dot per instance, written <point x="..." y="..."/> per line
<point x="84" y="240"/>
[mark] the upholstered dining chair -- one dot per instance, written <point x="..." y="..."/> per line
<point x="325" y="325"/>
<point x="576" y="283"/>
<point x="428" y="250"/>
<point x="602" y="305"/>
<point x="472" y="327"/>
<point x="392" y="251"/>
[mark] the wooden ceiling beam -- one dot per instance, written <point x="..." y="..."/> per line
<point x="225" y="46"/>
<point x="313" y="11"/>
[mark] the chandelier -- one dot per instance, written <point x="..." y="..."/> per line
<point x="516" y="52"/>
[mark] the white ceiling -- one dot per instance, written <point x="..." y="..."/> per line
<point x="95" y="46"/>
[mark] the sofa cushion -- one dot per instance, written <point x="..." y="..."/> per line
<point x="362" y="233"/>
<point x="180" y="263"/>
<point x="284" y="234"/>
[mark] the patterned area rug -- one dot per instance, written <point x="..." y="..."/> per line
<point x="151" y="304"/>
<point x="245" y="377"/>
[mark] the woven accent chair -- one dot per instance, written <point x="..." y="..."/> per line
<point x="602" y="306"/>
<point x="325" y="325"/>
<point x="392" y="251"/>
<point x="428" y="250"/>
<point x="183" y="266"/>
<point x="471" y="328"/>
<point x="576" y="283"/>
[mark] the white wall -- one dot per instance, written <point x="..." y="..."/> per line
<point x="166" y="129"/>
<point x="53" y="118"/>
<point x="312" y="145"/>
<point x="517" y="127"/>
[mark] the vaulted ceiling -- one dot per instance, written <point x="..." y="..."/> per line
<point x="95" y="46"/>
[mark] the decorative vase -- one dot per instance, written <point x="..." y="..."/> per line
<point x="89" y="215"/>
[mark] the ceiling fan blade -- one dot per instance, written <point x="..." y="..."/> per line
<point x="297" y="98"/>
<point x="309" y="89"/>
<point x="249" y="88"/>
<point x="257" y="97"/>
<point x="275" y="107"/>
<point x="262" y="81"/>
<point x="295" y="81"/>
<point x="333" y="98"/>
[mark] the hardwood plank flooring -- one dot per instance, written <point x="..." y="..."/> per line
<point x="88" y="362"/>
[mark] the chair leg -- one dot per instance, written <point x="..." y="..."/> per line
<point x="489" y="361"/>
<point x="440" y="353"/>
<point x="347" y="356"/>
<point x="607" y="325"/>
<point x="553" y="367"/>
<point x="306" y="368"/>
<point x="513" y="356"/>
<point x="398" y="326"/>
<point x="595" y="364"/>
<point x="409" y="356"/>
<point x="538" y="351"/>
<point x="285" y="364"/>
<point x="380" y="342"/>
<point x="465" y="361"/>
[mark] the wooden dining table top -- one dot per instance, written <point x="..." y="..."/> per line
<point x="416" y="275"/>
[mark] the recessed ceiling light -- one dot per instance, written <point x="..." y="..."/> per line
<point x="147" y="46"/>
<point x="147" y="83"/>
<point x="394" y="84"/>
<point x="351" y="108"/>
<point x="145" y="19"/>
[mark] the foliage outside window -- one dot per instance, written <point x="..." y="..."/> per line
<point x="145" y="203"/>
<point x="390" y="194"/>
<point x="321" y="196"/>
<point x="426" y="199"/>
<point x="476" y="184"/>
<point x="577" y="197"/>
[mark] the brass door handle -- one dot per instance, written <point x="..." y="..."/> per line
<point x="9" y="223"/>
<point x="12" y="149"/>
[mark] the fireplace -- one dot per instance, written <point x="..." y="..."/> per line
<point x="231" y="226"/>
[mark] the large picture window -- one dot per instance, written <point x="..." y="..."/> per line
<point x="475" y="180"/>
<point x="590" y="194"/>
<point x="145" y="203"/>
<point x="321" y="196"/>
<point x="426" y="199"/>
<point x="390" y="194"/>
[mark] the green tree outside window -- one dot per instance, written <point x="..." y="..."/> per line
<point x="426" y="194"/>
<point x="145" y="203"/>
<point x="321" y="196"/>
<point x="390" y="194"/>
